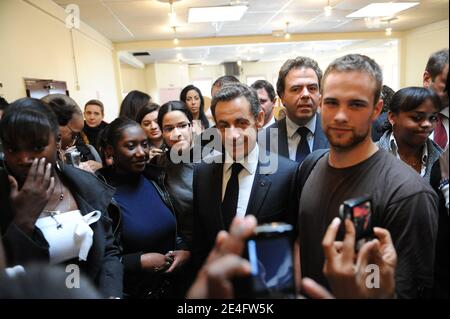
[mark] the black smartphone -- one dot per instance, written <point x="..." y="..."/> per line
<point x="359" y="210"/>
<point x="270" y="253"/>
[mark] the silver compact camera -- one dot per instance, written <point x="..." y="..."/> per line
<point x="72" y="158"/>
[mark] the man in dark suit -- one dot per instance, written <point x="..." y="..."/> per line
<point x="244" y="179"/>
<point x="300" y="132"/>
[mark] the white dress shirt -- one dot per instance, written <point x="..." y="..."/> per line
<point x="393" y="149"/>
<point x="245" y="177"/>
<point x="294" y="138"/>
<point x="272" y="121"/>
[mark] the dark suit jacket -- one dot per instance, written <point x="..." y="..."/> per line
<point x="320" y="140"/>
<point x="273" y="198"/>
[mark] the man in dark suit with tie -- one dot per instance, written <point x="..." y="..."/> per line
<point x="300" y="132"/>
<point x="244" y="179"/>
<point x="435" y="78"/>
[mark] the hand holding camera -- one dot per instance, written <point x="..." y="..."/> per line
<point x="72" y="156"/>
<point x="350" y="280"/>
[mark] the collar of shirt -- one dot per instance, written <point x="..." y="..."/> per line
<point x="250" y="162"/>
<point x="292" y="127"/>
<point x="393" y="148"/>
<point x="272" y="121"/>
<point x="444" y="111"/>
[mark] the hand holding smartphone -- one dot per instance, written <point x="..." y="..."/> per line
<point x="359" y="211"/>
<point x="270" y="253"/>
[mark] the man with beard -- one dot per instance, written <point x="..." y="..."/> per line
<point x="402" y="201"/>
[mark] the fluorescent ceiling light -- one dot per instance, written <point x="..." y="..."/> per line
<point x="216" y="14"/>
<point x="382" y="9"/>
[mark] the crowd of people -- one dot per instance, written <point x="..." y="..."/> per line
<point x="162" y="202"/>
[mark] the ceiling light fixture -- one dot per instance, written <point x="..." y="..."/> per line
<point x="287" y="35"/>
<point x="382" y="9"/>
<point x="327" y="9"/>
<point x="175" y="39"/>
<point x="216" y="14"/>
<point x="172" y="16"/>
<point x="388" y="31"/>
<point x="389" y="28"/>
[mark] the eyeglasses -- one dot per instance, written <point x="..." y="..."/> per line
<point x="75" y="135"/>
<point x="181" y="126"/>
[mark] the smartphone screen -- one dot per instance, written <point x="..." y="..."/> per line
<point x="362" y="219"/>
<point x="272" y="267"/>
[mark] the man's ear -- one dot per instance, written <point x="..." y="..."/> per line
<point x="427" y="79"/>
<point x="319" y="107"/>
<point x="391" y="117"/>
<point x="260" y="119"/>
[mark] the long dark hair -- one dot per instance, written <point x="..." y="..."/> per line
<point x="173" y="106"/>
<point x="30" y="120"/>
<point x="202" y="115"/>
<point x="63" y="106"/>
<point x="133" y="103"/>
<point x="152" y="107"/>
<point x="409" y="98"/>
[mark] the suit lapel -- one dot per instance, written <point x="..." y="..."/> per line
<point x="282" y="139"/>
<point x="215" y="194"/>
<point x="260" y="188"/>
<point x="320" y="140"/>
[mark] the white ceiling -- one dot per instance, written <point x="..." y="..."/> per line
<point x="140" y="20"/>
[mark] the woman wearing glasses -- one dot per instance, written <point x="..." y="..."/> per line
<point x="72" y="149"/>
<point x="175" y="168"/>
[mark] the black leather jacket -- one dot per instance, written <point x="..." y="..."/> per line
<point x="132" y="261"/>
<point x="103" y="265"/>
<point x="176" y="180"/>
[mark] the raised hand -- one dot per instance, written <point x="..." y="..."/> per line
<point x="31" y="199"/>
<point x="350" y="280"/>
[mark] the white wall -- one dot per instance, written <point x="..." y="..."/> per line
<point x="133" y="79"/>
<point x="419" y="44"/>
<point x="36" y="43"/>
<point x="150" y="82"/>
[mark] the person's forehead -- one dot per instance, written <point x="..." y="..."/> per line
<point x="77" y="122"/>
<point x="151" y="116"/>
<point x="302" y="73"/>
<point x="191" y="93"/>
<point x="349" y="80"/>
<point x="174" y="117"/>
<point x="93" y="108"/>
<point x="262" y="91"/>
<point x="132" y="132"/>
<point x="238" y="107"/>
